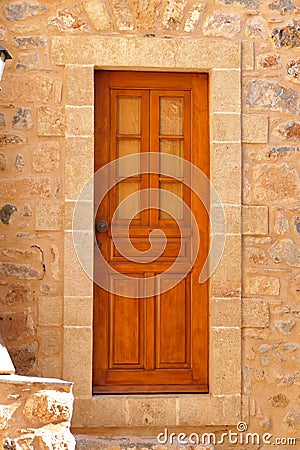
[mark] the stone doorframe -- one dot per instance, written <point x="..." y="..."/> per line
<point x="222" y="60"/>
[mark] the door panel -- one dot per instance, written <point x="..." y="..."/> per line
<point x="159" y="343"/>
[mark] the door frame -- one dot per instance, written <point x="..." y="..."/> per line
<point x="222" y="60"/>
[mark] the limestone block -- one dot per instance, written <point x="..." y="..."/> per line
<point x="271" y="95"/>
<point x="81" y="284"/>
<point x="232" y="215"/>
<point x="226" y="280"/>
<point x="220" y="24"/>
<point x="262" y="285"/>
<point x="270" y="61"/>
<point x="225" y="312"/>
<point x="11" y="138"/>
<point x="78" y="311"/>
<point x="23" y="42"/>
<point x="46" y="156"/>
<point x="216" y="410"/>
<point x="100" y="411"/>
<point x="257" y="28"/>
<point x="28" y="61"/>
<point x="48" y="406"/>
<point x="98" y="14"/>
<point x="65" y="19"/>
<point x="50" y="311"/>
<point x="285" y="250"/>
<point x="173" y="14"/>
<point x="255" y="220"/>
<point x="48" y="216"/>
<point x="51" y="121"/>
<point x="3" y="162"/>
<point x="58" y="50"/>
<point x="84" y="218"/>
<point x="292" y="420"/>
<point x="22" y="119"/>
<point x="279" y="182"/>
<point x="226" y="160"/>
<point x="195" y="14"/>
<point x="80" y="121"/>
<point x="124" y="14"/>
<point x="255" y="128"/>
<point x="49" y="341"/>
<point x="229" y="80"/>
<point x="80" y="80"/>
<point x="225" y="127"/>
<point x="24" y="188"/>
<point x="77" y="366"/>
<point x="255" y="313"/>
<point x="290" y="131"/>
<point x="79" y="165"/>
<point x="23" y="10"/>
<point x="225" y="374"/>
<point x="153" y="412"/>
<point x="287" y="36"/>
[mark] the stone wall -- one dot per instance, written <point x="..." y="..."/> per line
<point x="35" y="413"/>
<point x="33" y="187"/>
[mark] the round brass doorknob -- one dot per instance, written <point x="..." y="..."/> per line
<point x="102" y="226"/>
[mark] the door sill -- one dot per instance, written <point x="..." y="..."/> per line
<point x="147" y="389"/>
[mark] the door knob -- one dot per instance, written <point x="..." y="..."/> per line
<point x="102" y="226"/>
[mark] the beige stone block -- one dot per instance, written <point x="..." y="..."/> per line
<point x="255" y="220"/>
<point x="46" y="156"/>
<point x="255" y="313"/>
<point x="247" y="55"/>
<point x="81" y="51"/>
<point x="208" y="53"/>
<point x="225" y="312"/>
<point x="51" y="121"/>
<point x="232" y="215"/>
<point x="151" y="411"/>
<point x="255" y="128"/>
<point x="77" y="359"/>
<point x="78" y="311"/>
<point x="76" y="281"/>
<point x="245" y="409"/>
<point x="80" y="120"/>
<point x="226" y="171"/>
<point x="97" y="12"/>
<point x="50" y="342"/>
<point x="58" y="50"/>
<point x="261" y="285"/>
<point x="79" y="166"/>
<point x="225" y="127"/>
<point x="225" y="366"/>
<point x="79" y="85"/>
<point x="50" y="367"/>
<point x="226" y="280"/>
<point x="100" y="411"/>
<point x="50" y="311"/>
<point x="83" y="219"/>
<point x="225" y="91"/>
<point x="112" y="51"/>
<point x="196" y="410"/>
<point x="49" y="216"/>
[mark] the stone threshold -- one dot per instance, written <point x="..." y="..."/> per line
<point x="94" y="442"/>
<point x="20" y="379"/>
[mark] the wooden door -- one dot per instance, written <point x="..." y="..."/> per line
<point x="158" y="343"/>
